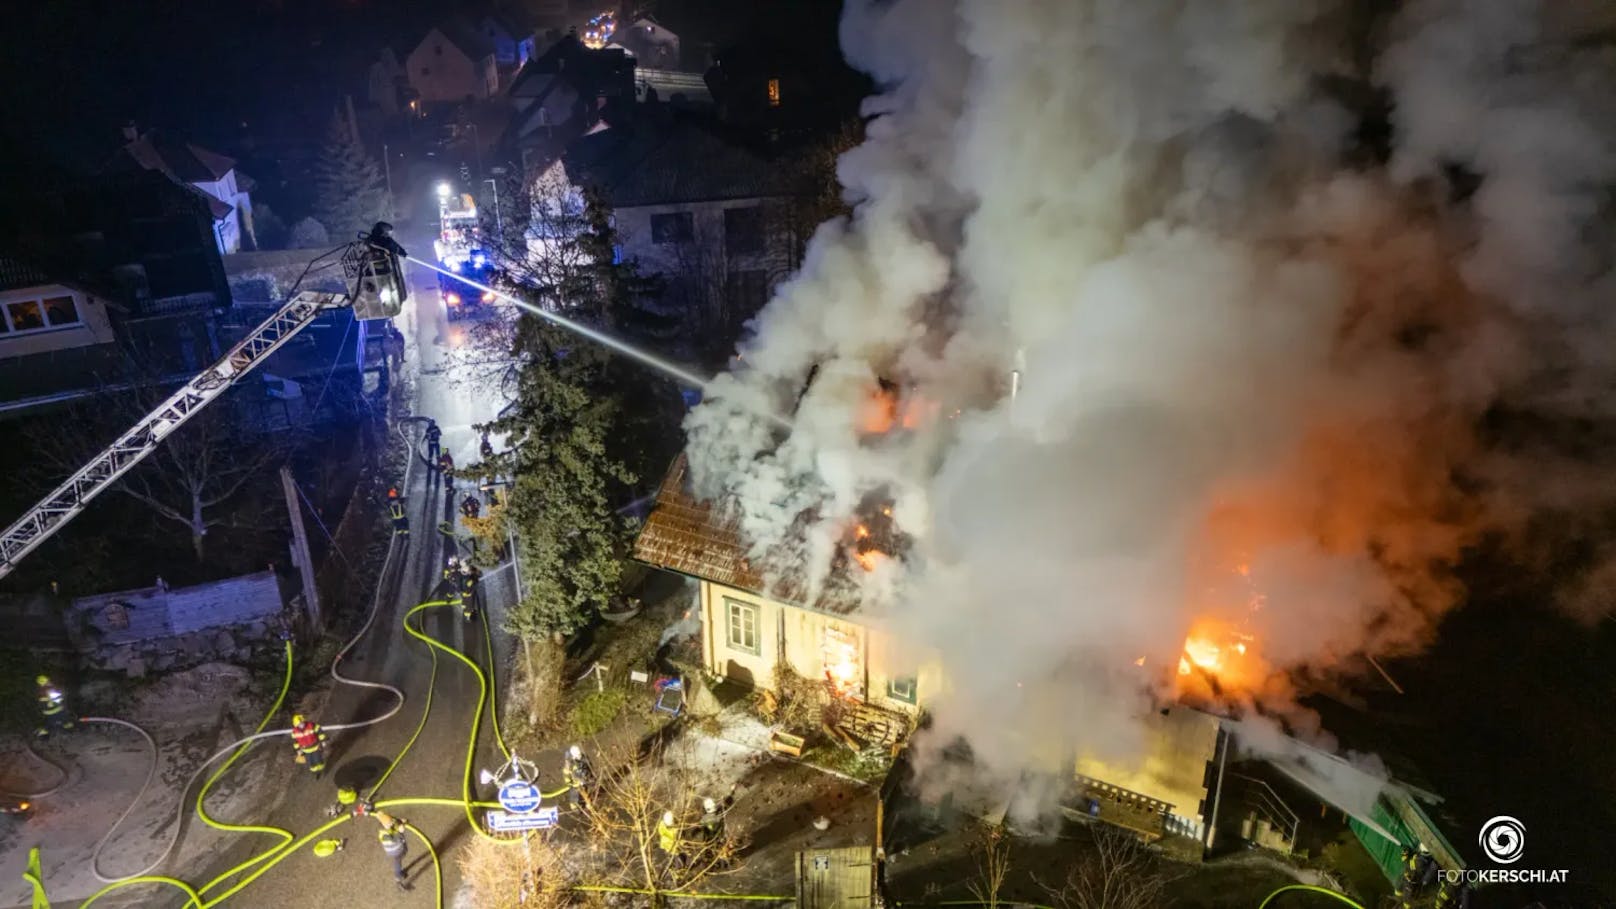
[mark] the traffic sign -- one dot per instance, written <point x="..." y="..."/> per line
<point x="503" y="822"/>
<point x="519" y="796"/>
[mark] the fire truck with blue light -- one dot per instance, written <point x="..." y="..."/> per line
<point x="459" y="249"/>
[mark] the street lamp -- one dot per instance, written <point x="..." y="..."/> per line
<point x="443" y="191"/>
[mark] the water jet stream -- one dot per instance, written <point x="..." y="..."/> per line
<point x="593" y="334"/>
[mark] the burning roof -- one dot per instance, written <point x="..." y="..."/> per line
<point x="703" y="539"/>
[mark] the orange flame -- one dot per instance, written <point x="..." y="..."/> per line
<point x="841" y="661"/>
<point x="870" y="558"/>
<point x="878" y="412"/>
<point x="862" y="532"/>
<point x="1223" y="652"/>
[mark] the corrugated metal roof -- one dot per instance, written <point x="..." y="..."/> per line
<point x="703" y="539"/>
<point x="151" y="613"/>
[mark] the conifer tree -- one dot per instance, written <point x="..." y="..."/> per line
<point x="350" y="194"/>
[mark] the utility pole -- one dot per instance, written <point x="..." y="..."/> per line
<point x="387" y="172"/>
<point x="499" y="220"/>
<point x="300" y="549"/>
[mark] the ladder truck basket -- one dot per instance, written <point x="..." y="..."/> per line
<point x="377" y="279"/>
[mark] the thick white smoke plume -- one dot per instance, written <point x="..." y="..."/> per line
<point x="1262" y="268"/>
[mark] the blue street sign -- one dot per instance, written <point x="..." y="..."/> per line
<point x="502" y="822"/>
<point x="519" y="796"/>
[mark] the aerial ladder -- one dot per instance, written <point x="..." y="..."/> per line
<point x="374" y="275"/>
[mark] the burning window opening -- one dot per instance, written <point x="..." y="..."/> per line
<point x="844" y="667"/>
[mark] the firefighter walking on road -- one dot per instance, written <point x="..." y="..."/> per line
<point x="434" y="439"/>
<point x="308" y="740"/>
<point x="394" y="845"/>
<point x="52" y="707"/>
<point x="395" y="512"/>
<point x="469" y="576"/>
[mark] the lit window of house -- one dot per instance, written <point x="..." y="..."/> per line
<point x="774" y="92"/>
<point x="901" y="690"/>
<point x="743" y="626"/>
<point x="25" y="315"/>
<point x="60" y="311"/>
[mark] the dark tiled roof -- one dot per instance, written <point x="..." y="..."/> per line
<point x="15" y="274"/>
<point x="676" y="160"/>
<point x="179" y="160"/>
<point x="702" y="539"/>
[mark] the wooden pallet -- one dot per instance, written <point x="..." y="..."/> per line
<point x="876" y="728"/>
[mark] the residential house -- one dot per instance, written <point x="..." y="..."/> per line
<point x="452" y="64"/>
<point x="751" y="631"/>
<point x="651" y="43"/>
<point x="708" y="215"/>
<point x="561" y="94"/>
<point x="108" y="281"/>
<point x="211" y="174"/>
<point x="512" y="39"/>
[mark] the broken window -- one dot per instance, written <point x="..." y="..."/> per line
<point x="743" y="626"/>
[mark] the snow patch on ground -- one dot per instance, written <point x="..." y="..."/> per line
<point x="190" y="715"/>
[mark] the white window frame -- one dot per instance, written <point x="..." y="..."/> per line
<point x="736" y="614"/>
<point x="914" y="689"/>
<point x="12" y="331"/>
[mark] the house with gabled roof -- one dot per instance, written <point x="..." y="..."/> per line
<point x="212" y="176"/>
<point x="451" y="64"/>
<point x="752" y="629"/>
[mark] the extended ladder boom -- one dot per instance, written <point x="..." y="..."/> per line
<point x="68" y="499"/>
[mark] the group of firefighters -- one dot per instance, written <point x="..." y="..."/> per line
<point x="440" y="460"/>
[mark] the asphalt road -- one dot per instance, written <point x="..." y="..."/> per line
<point x="360" y="875"/>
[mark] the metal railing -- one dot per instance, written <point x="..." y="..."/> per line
<point x="1261" y="798"/>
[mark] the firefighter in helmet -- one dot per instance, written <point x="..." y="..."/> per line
<point x="395" y="512"/>
<point x="394" y="845"/>
<point x="577" y="773"/>
<point x="308" y="741"/>
<point x="469" y="576"/>
<point x="52" y="707"/>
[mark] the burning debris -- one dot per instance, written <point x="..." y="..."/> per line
<point x="1245" y="359"/>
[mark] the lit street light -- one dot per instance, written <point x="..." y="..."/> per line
<point x="443" y="191"/>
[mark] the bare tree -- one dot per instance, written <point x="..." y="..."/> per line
<point x="195" y="477"/>
<point x="532" y="875"/>
<point x="992" y="867"/>
<point x="1121" y="873"/>
<point x="626" y="812"/>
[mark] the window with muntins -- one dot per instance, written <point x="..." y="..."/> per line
<point x="743" y="626"/>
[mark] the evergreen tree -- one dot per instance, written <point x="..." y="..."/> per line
<point x="568" y="482"/>
<point x="585" y="423"/>
<point x="350" y="194"/>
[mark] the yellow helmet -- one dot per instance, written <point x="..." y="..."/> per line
<point x="297" y="719"/>
<point x="42" y="680"/>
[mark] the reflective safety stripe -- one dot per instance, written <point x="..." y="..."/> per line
<point x="392" y="843"/>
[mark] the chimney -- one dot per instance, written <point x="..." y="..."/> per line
<point x="131" y="132"/>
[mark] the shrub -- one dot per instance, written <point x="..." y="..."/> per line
<point x="596" y="711"/>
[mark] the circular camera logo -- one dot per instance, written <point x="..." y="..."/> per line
<point x="1503" y="839"/>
